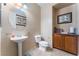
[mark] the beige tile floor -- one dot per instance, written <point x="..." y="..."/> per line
<point x="54" y="52"/>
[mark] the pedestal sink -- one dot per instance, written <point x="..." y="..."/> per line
<point x="19" y="40"/>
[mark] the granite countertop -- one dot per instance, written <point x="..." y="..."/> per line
<point x="68" y="34"/>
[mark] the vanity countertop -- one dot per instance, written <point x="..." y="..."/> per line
<point x="69" y="34"/>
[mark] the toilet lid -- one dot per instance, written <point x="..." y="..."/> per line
<point x="43" y="42"/>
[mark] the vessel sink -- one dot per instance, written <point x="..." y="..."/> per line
<point x="18" y="38"/>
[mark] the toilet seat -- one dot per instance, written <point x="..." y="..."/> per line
<point x="43" y="43"/>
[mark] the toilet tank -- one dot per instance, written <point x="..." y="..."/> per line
<point x="37" y="38"/>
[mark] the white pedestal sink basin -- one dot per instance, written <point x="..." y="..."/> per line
<point x="19" y="40"/>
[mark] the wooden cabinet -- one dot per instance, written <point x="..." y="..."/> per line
<point x="58" y="41"/>
<point x="71" y="44"/>
<point x="66" y="42"/>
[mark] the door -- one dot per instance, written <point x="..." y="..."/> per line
<point x="57" y="41"/>
<point x="71" y="44"/>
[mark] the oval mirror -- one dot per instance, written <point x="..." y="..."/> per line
<point x="17" y="18"/>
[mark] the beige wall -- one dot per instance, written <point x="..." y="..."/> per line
<point x="54" y="17"/>
<point x="8" y="47"/>
<point x="33" y="26"/>
<point x="77" y="23"/>
<point x="77" y="15"/>
<point x="0" y="30"/>
<point x="71" y="8"/>
<point x="0" y="41"/>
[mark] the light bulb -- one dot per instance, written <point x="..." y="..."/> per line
<point x="18" y="5"/>
<point x="25" y="7"/>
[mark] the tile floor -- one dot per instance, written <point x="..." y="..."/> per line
<point x="54" y="52"/>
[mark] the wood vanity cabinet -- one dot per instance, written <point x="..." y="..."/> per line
<point x="58" y="41"/>
<point x="66" y="42"/>
<point x="71" y="44"/>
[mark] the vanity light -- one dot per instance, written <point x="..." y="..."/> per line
<point x="25" y="7"/>
<point x="18" y="5"/>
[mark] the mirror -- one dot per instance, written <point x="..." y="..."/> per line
<point x="12" y="20"/>
<point x="0" y="14"/>
<point x="17" y="18"/>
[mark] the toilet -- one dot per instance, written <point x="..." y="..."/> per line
<point x="42" y="44"/>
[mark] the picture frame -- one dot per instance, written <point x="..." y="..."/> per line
<point x="20" y="20"/>
<point x="64" y="18"/>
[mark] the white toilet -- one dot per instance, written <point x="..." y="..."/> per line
<point x="42" y="44"/>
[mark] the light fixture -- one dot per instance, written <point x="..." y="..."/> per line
<point x="24" y="6"/>
<point x="18" y="5"/>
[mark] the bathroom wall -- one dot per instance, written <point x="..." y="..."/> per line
<point x="71" y="8"/>
<point x="0" y="30"/>
<point x="33" y="25"/>
<point x="77" y="15"/>
<point x="54" y="16"/>
<point x="77" y="23"/>
<point x="8" y="47"/>
<point x="0" y="41"/>
<point x="46" y="22"/>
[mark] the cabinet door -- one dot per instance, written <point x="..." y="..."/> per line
<point x="57" y="41"/>
<point x="71" y="44"/>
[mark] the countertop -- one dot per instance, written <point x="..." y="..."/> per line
<point x="68" y="34"/>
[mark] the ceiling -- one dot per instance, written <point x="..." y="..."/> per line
<point x="44" y="4"/>
<point x="62" y="5"/>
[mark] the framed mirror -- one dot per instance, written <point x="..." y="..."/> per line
<point x="64" y="18"/>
